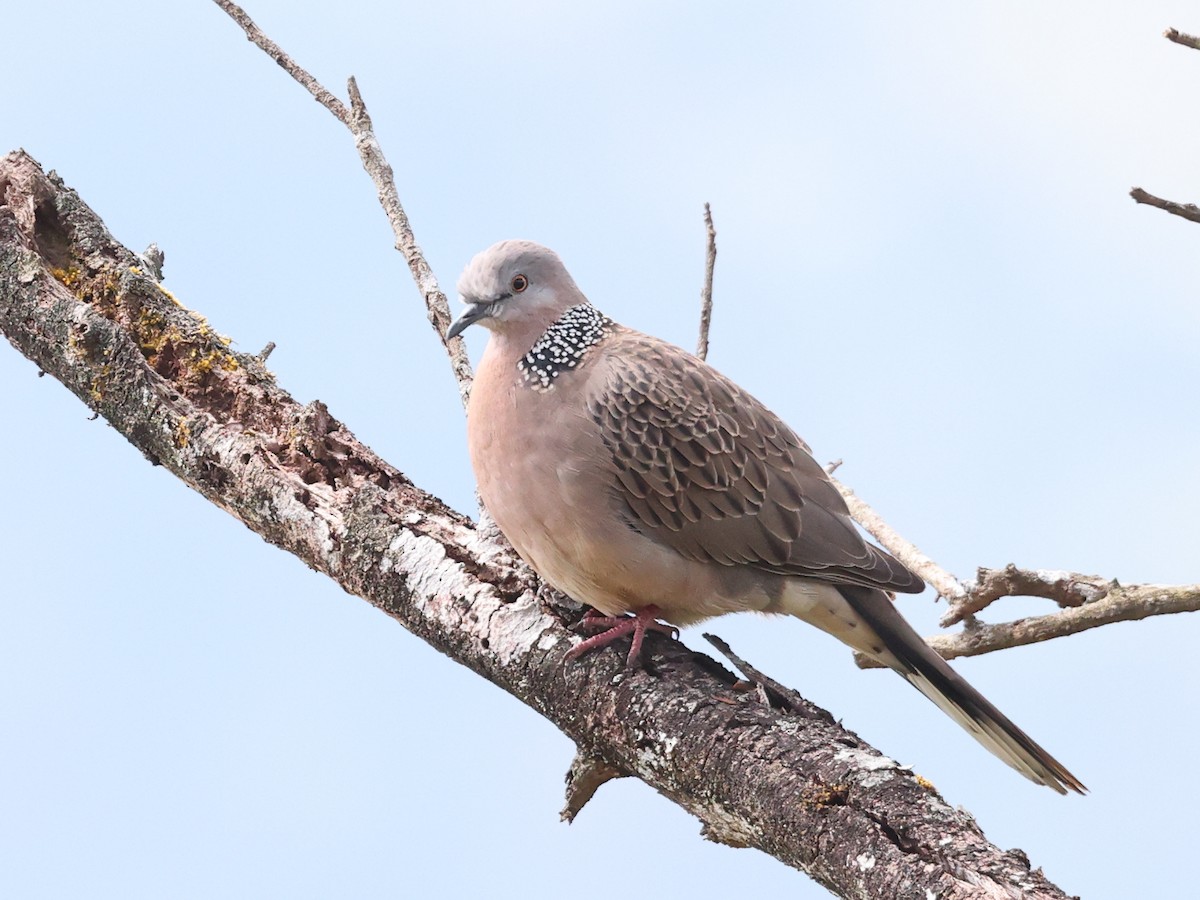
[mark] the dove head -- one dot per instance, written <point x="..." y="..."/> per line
<point x="514" y="288"/>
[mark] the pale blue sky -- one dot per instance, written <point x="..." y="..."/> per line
<point x="929" y="265"/>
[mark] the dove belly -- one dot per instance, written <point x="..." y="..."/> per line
<point x="614" y="570"/>
<point x="568" y="531"/>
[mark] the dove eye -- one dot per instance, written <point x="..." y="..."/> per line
<point x="519" y="283"/>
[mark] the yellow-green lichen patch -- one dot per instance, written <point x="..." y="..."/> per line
<point x="104" y="291"/>
<point x="824" y="795"/>
<point x="150" y="332"/>
<point x="186" y="357"/>
<point x="204" y="362"/>
<point x="206" y="330"/>
<point x="95" y="390"/>
<point x="171" y="297"/>
<point x="101" y="290"/>
<point x="176" y="343"/>
<point x="68" y="277"/>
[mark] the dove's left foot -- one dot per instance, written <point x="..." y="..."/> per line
<point x="616" y="627"/>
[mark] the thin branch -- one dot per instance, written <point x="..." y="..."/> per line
<point x="355" y="118"/>
<point x="305" y="78"/>
<point x="773" y="692"/>
<point x="1119" y="604"/>
<point x="800" y="788"/>
<point x="904" y="550"/>
<point x="1172" y="34"/>
<point x="1188" y="211"/>
<point x="706" y="293"/>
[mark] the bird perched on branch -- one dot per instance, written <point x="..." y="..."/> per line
<point x="637" y="479"/>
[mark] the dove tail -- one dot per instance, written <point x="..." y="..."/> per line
<point x="921" y="667"/>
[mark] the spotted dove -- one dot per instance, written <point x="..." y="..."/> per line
<point x="636" y="478"/>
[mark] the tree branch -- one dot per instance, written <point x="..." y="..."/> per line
<point x="904" y="550"/>
<point x="1064" y="588"/>
<point x="1117" y="604"/>
<point x="356" y="119"/>
<point x="798" y="787"/>
<point x="706" y="292"/>
<point x="1092" y="601"/>
<point x="1172" y="34"/>
<point x="1189" y="211"/>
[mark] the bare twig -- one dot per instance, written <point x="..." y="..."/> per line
<point x="1120" y="604"/>
<point x="904" y="550"/>
<point x="775" y="693"/>
<point x="1189" y="211"/>
<point x="1173" y="34"/>
<point x="706" y="292"/>
<point x="306" y="79"/>
<point x="355" y="118"/>
<point x="1064" y="588"/>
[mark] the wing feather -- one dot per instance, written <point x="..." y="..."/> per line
<point x="703" y="467"/>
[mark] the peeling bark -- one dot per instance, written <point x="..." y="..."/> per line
<point x="788" y="781"/>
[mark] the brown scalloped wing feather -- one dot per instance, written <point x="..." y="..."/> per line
<point x="705" y="468"/>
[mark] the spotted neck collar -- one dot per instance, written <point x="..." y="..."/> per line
<point x="563" y="346"/>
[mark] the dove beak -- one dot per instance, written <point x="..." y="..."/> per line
<point x="472" y="314"/>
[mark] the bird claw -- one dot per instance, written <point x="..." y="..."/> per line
<point x="616" y="627"/>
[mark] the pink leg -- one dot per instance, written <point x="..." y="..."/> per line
<point x="616" y="627"/>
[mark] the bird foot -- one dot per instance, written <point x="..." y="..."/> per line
<point x="616" y="627"/>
